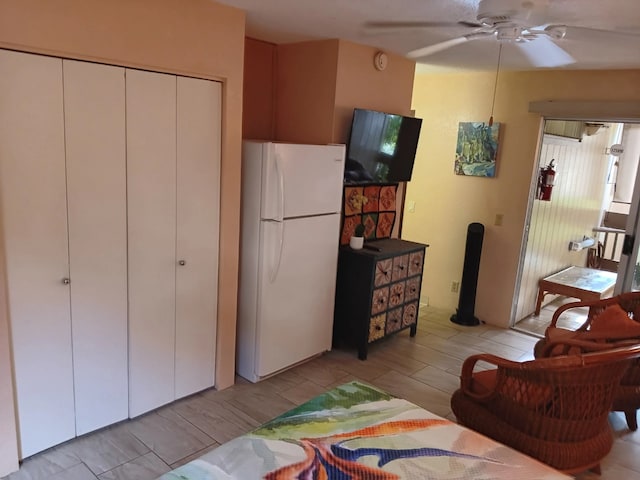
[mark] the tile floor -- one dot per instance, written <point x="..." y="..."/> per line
<point x="571" y="319"/>
<point x="423" y="370"/>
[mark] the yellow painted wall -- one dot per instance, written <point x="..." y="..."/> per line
<point x="447" y="203"/>
<point x="189" y="37"/>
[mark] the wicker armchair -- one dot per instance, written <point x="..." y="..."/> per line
<point x="611" y="332"/>
<point x="553" y="409"/>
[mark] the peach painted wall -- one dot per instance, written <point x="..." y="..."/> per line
<point x="259" y="90"/>
<point x="319" y="84"/>
<point x="306" y="80"/>
<point x="189" y="37"/>
<point x="447" y="203"/>
<point x="305" y="91"/>
<point x="359" y="84"/>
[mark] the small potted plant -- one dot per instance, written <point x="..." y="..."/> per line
<point x="357" y="240"/>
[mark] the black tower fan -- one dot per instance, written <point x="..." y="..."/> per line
<point x="467" y="302"/>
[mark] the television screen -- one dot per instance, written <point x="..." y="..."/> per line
<point x="381" y="147"/>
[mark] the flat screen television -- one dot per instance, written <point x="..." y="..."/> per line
<point x="381" y="148"/>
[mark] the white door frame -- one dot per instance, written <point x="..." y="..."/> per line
<point x="626" y="267"/>
<point x="610" y="112"/>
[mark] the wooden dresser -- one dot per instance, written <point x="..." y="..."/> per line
<point x="377" y="292"/>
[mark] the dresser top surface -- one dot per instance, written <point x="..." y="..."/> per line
<point x="386" y="247"/>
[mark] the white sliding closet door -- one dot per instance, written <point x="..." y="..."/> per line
<point x="96" y="190"/>
<point x="34" y="215"/>
<point x="198" y="167"/>
<point x="151" y="187"/>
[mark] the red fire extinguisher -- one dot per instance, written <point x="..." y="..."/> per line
<point x="545" y="181"/>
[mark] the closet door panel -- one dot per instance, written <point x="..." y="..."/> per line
<point x="94" y="97"/>
<point x="198" y="206"/>
<point x="33" y="202"/>
<point x="151" y="192"/>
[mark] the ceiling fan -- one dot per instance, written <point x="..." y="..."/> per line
<point x="516" y="21"/>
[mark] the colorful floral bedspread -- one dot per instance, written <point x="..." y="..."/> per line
<point x="357" y="432"/>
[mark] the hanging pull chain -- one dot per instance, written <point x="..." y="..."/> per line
<point x="495" y="85"/>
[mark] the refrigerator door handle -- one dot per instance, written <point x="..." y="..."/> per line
<point x="280" y="175"/>
<point x="274" y="272"/>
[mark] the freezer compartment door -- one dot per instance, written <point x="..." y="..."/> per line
<point x="297" y="289"/>
<point x="301" y="180"/>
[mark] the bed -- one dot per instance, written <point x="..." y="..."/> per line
<point x="356" y="431"/>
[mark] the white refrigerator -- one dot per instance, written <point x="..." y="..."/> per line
<point x="291" y="201"/>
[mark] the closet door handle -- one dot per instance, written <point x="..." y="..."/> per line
<point x="182" y="263"/>
<point x="66" y="281"/>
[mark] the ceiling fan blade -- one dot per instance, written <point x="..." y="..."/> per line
<point x="542" y="52"/>
<point x="419" y="24"/>
<point x="438" y="47"/>
<point x="595" y="34"/>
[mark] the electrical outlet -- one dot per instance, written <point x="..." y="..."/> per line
<point x="499" y="219"/>
<point x="455" y="286"/>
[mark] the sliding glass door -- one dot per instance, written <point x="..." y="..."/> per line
<point x="629" y="267"/>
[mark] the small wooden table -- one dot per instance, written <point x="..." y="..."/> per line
<point x="577" y="282"/>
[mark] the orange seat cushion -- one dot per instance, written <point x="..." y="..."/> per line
<point x="484" y="382"/>
<point x="609" y="326"/>
<point x="526" y="393"/>
<point x="614" y="319"/>
<point x="556" y="334"/>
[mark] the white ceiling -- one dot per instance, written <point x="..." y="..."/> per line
<point x="286" y="21"/>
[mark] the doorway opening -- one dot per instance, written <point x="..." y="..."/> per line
<point x="583" y="223"/>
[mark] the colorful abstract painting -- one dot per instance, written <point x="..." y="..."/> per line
<point x="477" y="149"/>
<point x="357" y="432"/>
